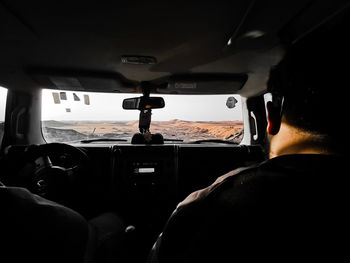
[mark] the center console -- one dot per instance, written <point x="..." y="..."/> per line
<point x="145" y="180"/>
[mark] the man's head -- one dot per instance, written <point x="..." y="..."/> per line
<point x="309" y="87"/>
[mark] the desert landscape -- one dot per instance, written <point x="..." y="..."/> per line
<point x="68" y="131"/>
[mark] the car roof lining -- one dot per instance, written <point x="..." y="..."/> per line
<point x="184" y="37"/>
<point x="112" y="82"/>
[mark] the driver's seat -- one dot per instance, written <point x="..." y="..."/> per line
<point x="34" y="229"/>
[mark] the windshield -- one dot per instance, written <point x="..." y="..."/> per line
<point x="74" y="116"/>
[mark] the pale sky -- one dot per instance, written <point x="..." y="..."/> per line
<point x="108" y="106"/>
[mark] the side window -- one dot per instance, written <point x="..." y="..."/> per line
<point x="267" y="98"/>
<point x="3" y="96"/>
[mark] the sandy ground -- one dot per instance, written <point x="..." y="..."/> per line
<point x="174" y="129"/>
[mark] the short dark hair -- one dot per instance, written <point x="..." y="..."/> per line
<point x="312" y="80"/>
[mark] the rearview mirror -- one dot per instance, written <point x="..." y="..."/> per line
<point x="141" y="103"/>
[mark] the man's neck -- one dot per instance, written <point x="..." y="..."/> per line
<point x="291" y="140"/>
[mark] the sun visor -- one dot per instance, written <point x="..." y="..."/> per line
<point x="98" y="82"/>
<point x="203" y="84"/>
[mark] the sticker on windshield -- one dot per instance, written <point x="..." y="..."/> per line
<point x="231" y="102"/>
<point x="63" y="96"/>
<point x="76" y="97"/>
<point x="86" y="99"/>
<point x="56" y="97"/>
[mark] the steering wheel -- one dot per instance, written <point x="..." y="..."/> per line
<point x="51" y="170"/>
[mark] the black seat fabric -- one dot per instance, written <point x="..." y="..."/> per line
<point x="34" y="229"/>
<point x="287" y="208"/>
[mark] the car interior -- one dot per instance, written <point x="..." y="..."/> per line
<point x="149" y="52"/>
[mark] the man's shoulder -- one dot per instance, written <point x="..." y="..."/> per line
<point x="239" y="203"/>
<point x="235" y="175"/>
<point x="246" y="181"/>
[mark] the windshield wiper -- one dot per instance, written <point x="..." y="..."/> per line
<point x="214" y="141"/>
<point x="104" y="140"/>
<point x="172" y="140"/>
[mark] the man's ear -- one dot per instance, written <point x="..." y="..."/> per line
<point x="273" y="118"/>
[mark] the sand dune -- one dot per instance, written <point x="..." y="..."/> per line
<point x="173" y="129"/>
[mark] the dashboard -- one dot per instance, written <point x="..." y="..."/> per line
<point x="146" y="182"/>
